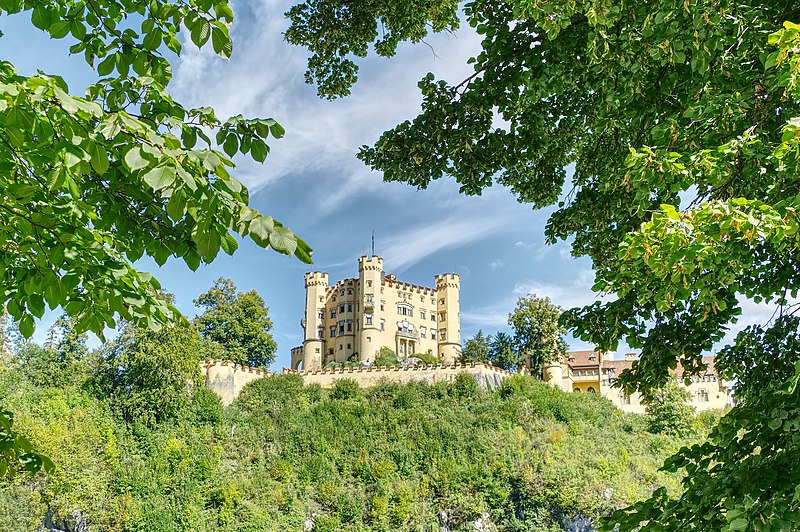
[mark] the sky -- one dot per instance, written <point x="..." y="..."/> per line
<point x="314" y="184"/>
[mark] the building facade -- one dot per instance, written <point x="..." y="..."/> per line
<point x="596" y="372"/>
<point x="353" y="318"/>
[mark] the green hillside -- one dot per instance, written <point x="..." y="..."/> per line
<point x="390" y="458"/>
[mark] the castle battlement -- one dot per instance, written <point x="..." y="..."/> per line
<point x="316" y="279"/>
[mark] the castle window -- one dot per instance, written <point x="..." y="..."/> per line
<point x="702" y="395"/>
<point x="341" y="327"/>
<point x="422" y="313"/>
<point x="333" y="331"/>
<point x="442" y="334"/>
<point x="590" y="389"/>
<point x="349" y="307"/>
<point x="368" y="297"/>
<point x="321" y="299"/>
<point x="333" y="313"/>
<point x="382" y="305"/>
<point x="321" y="314"/>
<point x="433" y="316"/>
<point x="320" y="332"/>
<point x="341" y="293"/>
<point x="576" y="390"/>
<point x="349" y="325"/>
<point x="422" y="299"/>
<point x="433" y="334"/>
<point x="441" y="301"/>
<point x="348" y="346"/>
<point x="341" y="346"/>
<point x="624" y="399"/>
<point x="383" y="324"/>
<point x="369" y="284"/>
<point x="368" y="319"/>
<point x="349" y="291"/>
<point x="423" y="331"/>
<point x="341" y="309"/>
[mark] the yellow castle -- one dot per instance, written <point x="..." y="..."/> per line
<point x="353" y="318"/>
<point x="596" y="372"/>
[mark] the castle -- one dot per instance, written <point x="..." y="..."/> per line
<point x="596" y="372"/>
<point x="353" y="318"/>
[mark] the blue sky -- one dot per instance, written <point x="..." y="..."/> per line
<point x="314" y="184"/>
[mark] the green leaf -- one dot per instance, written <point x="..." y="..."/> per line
<point x="221" y="42"/>
<point x="231" y="145"/>
<point x="283" y="240"/>
<point x="259" y="150"/>
<point x="201" y="31"/>
<point x="26" y="325"/>
<point x="36" y="305"/>
<point x="135" y="161"/>
<point x="99" y="159"/>
<point x="160" y="177"/>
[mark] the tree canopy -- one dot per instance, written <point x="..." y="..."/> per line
<point x="238" y="322"/>
<point x="667" y="136"/>
<point x="92" y="183"/>
<point x="537" y="333"/>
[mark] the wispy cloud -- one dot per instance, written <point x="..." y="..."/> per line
<point x="575" y="293"/>
<point x="496" y="264"/>
<point x="404" y="249"/>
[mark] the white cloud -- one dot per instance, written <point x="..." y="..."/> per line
<point x="404" y="249"/>
<point x="264" y="78"/>
<point x="494" y="317"/>
<point x="575" y="293"/>
<point x="496" y="264"/>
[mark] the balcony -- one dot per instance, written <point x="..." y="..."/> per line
<point x="412" y="335"/>
<point x="369" y="304"/>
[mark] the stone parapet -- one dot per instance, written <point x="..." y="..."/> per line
<point x="226" y="378"/>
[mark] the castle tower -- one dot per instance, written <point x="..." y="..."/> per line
<point x="313" y="323"/>
<point x="554" y="374"/>
<point x="370" y="273"/>
<point x="448" y="319"/>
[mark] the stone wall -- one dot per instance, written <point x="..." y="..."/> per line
<point x="227" y="379"/>
<point x="487" y="377"/>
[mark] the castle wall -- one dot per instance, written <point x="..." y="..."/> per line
<point x="227" y="379"/>
<point x="487" y="377"/>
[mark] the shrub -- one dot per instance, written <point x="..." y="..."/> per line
<point x="345" y="389"/>
<point x="206" y="406"/>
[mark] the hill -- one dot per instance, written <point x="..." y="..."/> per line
<point x="393" y="457"/>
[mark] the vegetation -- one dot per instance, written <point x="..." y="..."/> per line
<point x="476" y="349"/>
<point x="538" y="337"/>
<point x="681" y="121"/>
<point x="668" y="412"/>
<point x="394" y="457"/>
<point x="238" y="322"/>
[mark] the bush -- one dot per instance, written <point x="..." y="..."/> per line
<point x="206" y="406"/>
<point x="345" y="389"/>
<point x="464" y="386"/>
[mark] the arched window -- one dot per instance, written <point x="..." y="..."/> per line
<point x="576" y="390"/>
<point x="590" y="389"/>
<point x="702" y="395"/>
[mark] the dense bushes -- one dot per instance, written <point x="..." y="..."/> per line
<point x="386" y="458"/>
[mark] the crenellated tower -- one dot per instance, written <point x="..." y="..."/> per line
<point x="448" y="319"/>
<point x="370" y="273"/>
<point x="313" y="323"/>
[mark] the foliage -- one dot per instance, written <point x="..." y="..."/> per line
<point x="667" y="410"/>
<point x="63" y="358"/>
<point x="748" y="461"/>
<point x="91" y="184"/>
<point x="206" y="406"/>
<point x="477" y="348"/>
<point x="239" y="322"/>
<point x="680" y="120"/>
<point x="386" y="357"/>
<point x="392" y="457"/>
<point x="146" y="374"/>
<point x="538" y="336"/>
<point x="503" y="352"/>
<point x="16" y="452"/>
<point x="357" y="24"/>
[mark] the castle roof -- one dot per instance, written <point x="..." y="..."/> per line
<point x="582" y="358"/>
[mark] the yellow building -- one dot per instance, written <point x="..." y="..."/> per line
<point x="353" y="318"/>
<point x="596" y="372"/>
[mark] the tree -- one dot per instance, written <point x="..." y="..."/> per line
<point x="91" y="184"/>
<point x="503" y="353"/>
<point x="667" y="411"/>
<point x="239" y="322"/>
<point x="537" y="333"/>
<point x="386" y="357"/>
<point x="148" y="375"/>
<point x="476" y="349"/>
<point x="683" y="213"/>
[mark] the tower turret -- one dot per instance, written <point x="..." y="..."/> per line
<point x="314" y="321"/>
<point x="448" y="317"/>
<point x="370" y="272"/>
